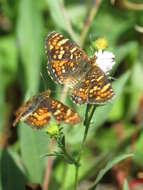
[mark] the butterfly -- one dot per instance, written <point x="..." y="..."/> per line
<point x="37" y="112"/>
<point x="69" y="65"/>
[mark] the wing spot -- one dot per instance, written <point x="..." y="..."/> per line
<point x="59" y="73"/>
<point x="105" y="87"/>
<point x="54" y="43"/>
<point x="62" y="52"/>
<point x="60" y="56"/>
<point x="71" y="64"/>
<point x="98" y="98"/>
<point x="101" y="77"/>
<point x="55" y="35"/>
<point x="62" y="42"/>
<point x="57" y="112"/>
<point x="95" y="88"/>
<point x="59" y="105"/>
<point x="72" y="50"/>
<point x="57" y="47"/>
<point x="69" y="112"/>
<point x="91" y="91"/>
<point x="54" y="56"/>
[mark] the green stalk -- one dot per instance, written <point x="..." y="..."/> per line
<point x="65" y="153"/>
<point x="87" y="120"/>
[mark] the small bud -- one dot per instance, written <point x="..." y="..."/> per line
<point x="101" y="43"/>
<point x="52" y="130"/>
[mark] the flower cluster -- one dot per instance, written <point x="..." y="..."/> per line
<point x="105" y="59"/>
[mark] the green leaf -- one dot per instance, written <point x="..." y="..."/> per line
<point x="12" y="176"/>
<point x="34" y="143"/>
<point x="8" y="54"/>
<point x="8" y="66"/>
<point x="2" y="99"/>
<point x="77" y="15"/>
<point x="105" y="26"/>
<point x="29" y="31"/>
<point x="56" y="12"/>
<point x="124" y="50"/>
<point x="108" y="167"/>
<point x="126" y="186"/>
<point x="67" y="174"/>
<point x="117" y="111"/>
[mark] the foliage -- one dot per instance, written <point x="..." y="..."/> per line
<point x="115" y="128"/>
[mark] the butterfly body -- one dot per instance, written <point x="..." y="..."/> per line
<point x="69" y="65"/>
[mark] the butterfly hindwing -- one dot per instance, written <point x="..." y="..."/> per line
<point x="94" y="89"/>
<point x="63" y="114"/>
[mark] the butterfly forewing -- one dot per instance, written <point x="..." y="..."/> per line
<point x="40" y="117"/>
<point x="35" y="111"/>
<point x="65" y="58"/>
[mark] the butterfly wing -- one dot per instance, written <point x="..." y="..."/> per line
<point x="65" y="58"/>
<point x="40" y="117"/>
<point x="23" y="110"/>
<point x="37" y="112"/>
<point x="100" y="90"/>
<point x="34" y="112"/>
<point x="63" y="114"/>
<point x="93" y="89"/>
<point x="79" y="94"/>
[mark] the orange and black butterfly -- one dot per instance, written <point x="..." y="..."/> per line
<point x="37" y="112"/>
<point x="69" y="64"/>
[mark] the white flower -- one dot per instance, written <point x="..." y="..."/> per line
<point x="105" y="60"/>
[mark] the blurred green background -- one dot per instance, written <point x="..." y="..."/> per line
<point x="115" y="128"/>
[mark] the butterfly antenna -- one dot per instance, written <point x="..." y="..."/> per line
<point x="112" y="78"/>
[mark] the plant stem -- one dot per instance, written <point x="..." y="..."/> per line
<point x="87" y="120"/>
<point x="70" y="158"/>
<point x="67" y="156"/>
<point x="67" y="20"/>
<point x="89" y="21"/>
<point x="63" y="176"/>
<point x="132" y="6"/>
<point x="64" y="93"/>
<point x="49" y="167"/>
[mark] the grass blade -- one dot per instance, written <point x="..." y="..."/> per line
<point x="108" y="167"/>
